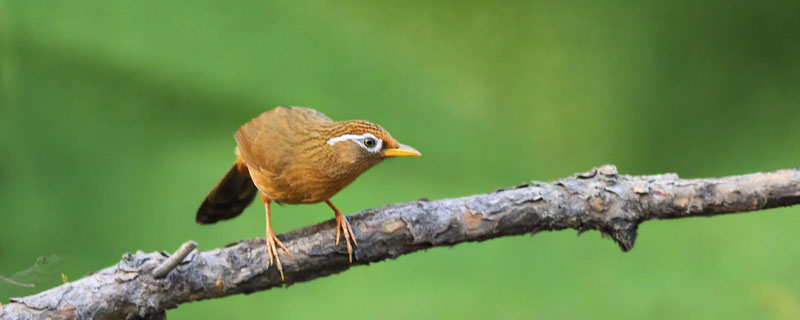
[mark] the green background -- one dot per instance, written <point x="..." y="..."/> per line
<point x="118" y="117"/>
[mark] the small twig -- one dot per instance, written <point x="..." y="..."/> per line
<point x="173" y="261"/>
<point x="18" y="284"/>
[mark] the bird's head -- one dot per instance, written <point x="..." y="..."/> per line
<point x="360" y="144"/>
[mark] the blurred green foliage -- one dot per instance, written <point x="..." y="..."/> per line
<point x="117" y="117"/>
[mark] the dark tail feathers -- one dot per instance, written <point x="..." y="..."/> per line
<point x="229" y="198"/>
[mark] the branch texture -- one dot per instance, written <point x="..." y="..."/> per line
<point x="600" y="200"/>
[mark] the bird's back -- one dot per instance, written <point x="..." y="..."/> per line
<point x="271" y="140"/>
<point x="263" y="145"/>
<point x="277" y="145"/>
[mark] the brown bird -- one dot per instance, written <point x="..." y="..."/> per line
<point x="298" y="155"/>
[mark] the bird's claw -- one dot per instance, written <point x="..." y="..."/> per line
<point x="343" y="227"/>
<point x="273" y="243"/>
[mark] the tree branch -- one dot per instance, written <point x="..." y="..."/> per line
<point x="599" y="199"/>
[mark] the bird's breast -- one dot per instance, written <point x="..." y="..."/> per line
<point x="304" y="183"/>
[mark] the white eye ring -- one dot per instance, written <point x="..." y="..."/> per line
<point x="360" y="139"/>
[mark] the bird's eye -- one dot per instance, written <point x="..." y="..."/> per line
<point x="369" y="142"/>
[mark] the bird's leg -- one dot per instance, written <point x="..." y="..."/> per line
<point x="272" y="240"/>
<point x="343" y="227"/>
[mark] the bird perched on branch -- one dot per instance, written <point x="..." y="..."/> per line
<point x="298" y="155"/>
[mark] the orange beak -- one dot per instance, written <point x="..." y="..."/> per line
<point x="402" y="151"/>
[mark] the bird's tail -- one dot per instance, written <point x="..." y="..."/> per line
<point x="229" y="197"/>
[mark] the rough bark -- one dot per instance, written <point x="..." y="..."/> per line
<point x="600" y="199"/>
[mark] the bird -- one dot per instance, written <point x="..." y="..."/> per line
<point x="297" y="155"/>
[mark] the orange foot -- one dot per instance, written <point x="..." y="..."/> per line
<point x="342" y="226"/>
<point x="272" y="251"/>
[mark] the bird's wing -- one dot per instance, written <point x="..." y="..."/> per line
<point x="269" y="141"/>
